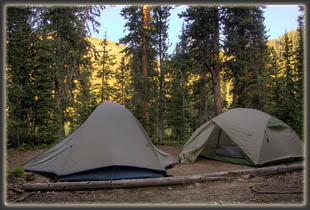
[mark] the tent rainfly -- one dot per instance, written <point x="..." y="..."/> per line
<point x="243" y="136"/>
<point x="111" y="144"/>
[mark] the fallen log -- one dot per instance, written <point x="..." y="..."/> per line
<point x="177" y="180"/>
<point x="275" y="192"/>
<point x="268" y="170"/>
<point x="22" y="198"/>
<point x="130" y="183"/>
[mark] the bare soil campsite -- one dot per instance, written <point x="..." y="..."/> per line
<point x="285" y="188"/>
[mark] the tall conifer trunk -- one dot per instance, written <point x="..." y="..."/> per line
<point x="161" y="83"/>
<point x="145" y="12"/>
<point x="216" y="70"/>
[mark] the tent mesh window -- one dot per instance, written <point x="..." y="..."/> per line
<point x="227" y="148"/>
<point x="220" y="147"/>
<point x="209" y="150"/>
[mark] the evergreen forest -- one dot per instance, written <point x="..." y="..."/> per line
<point x="57" y="73"/>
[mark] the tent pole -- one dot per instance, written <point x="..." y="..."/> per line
<point x="218" y="139"/>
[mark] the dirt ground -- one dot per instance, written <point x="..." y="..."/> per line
<point x="288" y="189"/>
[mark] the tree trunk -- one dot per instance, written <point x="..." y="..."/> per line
<point x="97" y="185"/>
<point x="122" y="84"/>
<point x="161" y="101"/>
<point x="161" y="87"/>
<point x="217" y="93"/>
<point x="183" y="103"/>
<point x="58" y="100"/>
<point x="216" y="71"/>
<point x="206" y="115"/>
<point x="145" y="12"/>
<point x="203" y="99"/>
<point x="102" y="85"/>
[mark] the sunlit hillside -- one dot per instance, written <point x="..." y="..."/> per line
<point x="276" y="43"/>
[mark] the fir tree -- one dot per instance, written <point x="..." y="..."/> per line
<point x="274" y="83"/>
<point x="32" y="118"/>
<point x="179" y="110"/>
<point x="203" y="31"/>
<point x="299" y="68"/>
<point x="287" y="106"/>
<point x="245" y="46"/>
<point x="122" y="83"/>
<point x="66" y="26"/>
<point x="105" y="73"/>
<point x="160" y="17"/>
<point x="19" y="70"/>
<point x="142" y="63"/>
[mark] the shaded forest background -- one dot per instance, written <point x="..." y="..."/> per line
<point x="57" y="74"/>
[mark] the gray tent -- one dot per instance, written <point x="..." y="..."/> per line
<point x="243" y="136"/>
<point x="110" y="144"/>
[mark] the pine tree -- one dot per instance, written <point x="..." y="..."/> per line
<point x="179" y="110"/>
<point x="133" y="51"/>
<point x="203" y="30"/>
<point x="32" y="116"/>
<point x="105" y="73"/>
<point x="44" y="107"/>
<point x="66" y="26"/>
<point x="287" y="106"/>
<point x="274" y="83"/>
<point x="245" y="44"/>
<point x="122" y="77"/>
<point x="142" y="63"/>
<point x="299" y="68"/>
<point x="145" y="42"/>
<point x="160" y="17"/>
<point x="19" y="69"/>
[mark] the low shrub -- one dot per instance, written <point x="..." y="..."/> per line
<point x="19" y="171"/>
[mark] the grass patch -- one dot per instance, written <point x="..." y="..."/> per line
<point x="19" y="171"/>
<point x="170" y="143"/>
<point x="25" y="147"/>
<point x="8" y="171"/>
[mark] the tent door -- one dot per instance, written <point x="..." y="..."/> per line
<point x="227" y="148"/>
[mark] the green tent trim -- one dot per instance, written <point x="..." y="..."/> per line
<point x="285" y="160"/>
<point x="275" y="123"/>
<point x="211" y="154"/>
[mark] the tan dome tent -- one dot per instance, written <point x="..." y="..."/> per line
<point x="243" y="136"/>
<point x="110" y="144"/>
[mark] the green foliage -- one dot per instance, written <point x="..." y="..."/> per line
<point x="141" y="43"/>
<point x="203" y="29"/>
<point x="285" y="82"/>
<point x="52" y="68"/>
<point x="122" y="77"/>
<point x="245" y="46"/>
<point x="290" y="107"/>
<point x="29" y="146"/>
<point x="19" y="171"/>
<point x="47" y="54"/>
<point x="67" y="129"/>
<point x="19" y="69"/>
<point x="8" y="171"/>
<point x="180" y="104"/>
<point x="105" y="74"/>
<point x="170" y="143"/>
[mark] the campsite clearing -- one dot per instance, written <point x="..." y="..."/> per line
<point x="239" y="190"/>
